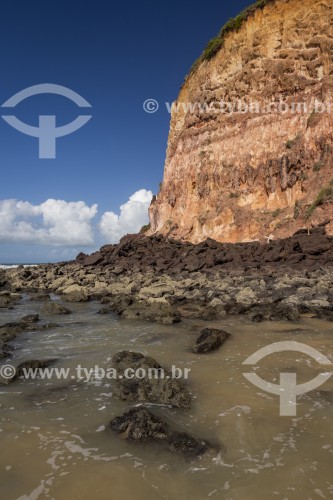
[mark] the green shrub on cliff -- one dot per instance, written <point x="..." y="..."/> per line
<point x="232" y="25"/>
<point x="145" y="228"/>
<point x="212" y="48"/>
<point x="324" y="195"/>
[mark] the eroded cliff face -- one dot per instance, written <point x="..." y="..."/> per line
<point x="247" y="175"/>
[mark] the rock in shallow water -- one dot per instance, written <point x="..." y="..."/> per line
<point x="182" y="442"/>
<point x="75" y="293"/>
<point x="209" y="340"/>
<point x="7" y="300"/>
<point x="8" y="331"/>
<point x="258" y="318"/>
<point x="153" y="310"/>
<point x="22" y="368"/>
<point x="150" y="389"/>
<point x="40" y="296"/>
<point x="31" y="318"/>
<point x="285" y="311"/>
<point x="140" y="424"/>
<point x="53" y="308"/>
<point x="33" y="364"/>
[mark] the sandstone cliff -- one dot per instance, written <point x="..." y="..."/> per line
<point x="240" y="176"/>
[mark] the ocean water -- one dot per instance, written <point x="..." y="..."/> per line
<point x="56" y="442"/>
<point x="12" y="266"/>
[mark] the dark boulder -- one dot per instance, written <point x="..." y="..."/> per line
<point x="5" y="350"/>
<point x="76" y="296"/>
<point x="184" y="443"/>
<point x="140" y="424"/>
<point x="81" y="257"/>
<point x="105" y="310"/>
<point x="40" y="296"/>
<point x="314" y="245"/>
<point x="209" y="340"/>
<point x="157" y="386"/>
<point x="160" y="312"/>
<point x="8" y="331"/>
<point x="6" y="300"/>
<point x="33" y="364"/>
<point x="52" y="308"/>
<point x="258" y="317"/>
<point x="93" y="260"/>
<point x="284" y="311"/>
<point x="31" y="318"/>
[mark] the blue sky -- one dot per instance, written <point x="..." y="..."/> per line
<point x="115" y="55"/>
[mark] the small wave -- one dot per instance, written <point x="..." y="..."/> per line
<point x="13" y="266"/>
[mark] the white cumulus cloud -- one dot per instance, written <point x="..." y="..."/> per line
<point x="54" y="222"/>
<point x="133" y="215"/>
<point x="59" y="223"/>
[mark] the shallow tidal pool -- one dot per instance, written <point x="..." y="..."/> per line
<point x="54" y="437"/>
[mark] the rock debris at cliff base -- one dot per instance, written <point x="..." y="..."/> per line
<point x="164" y="280"/>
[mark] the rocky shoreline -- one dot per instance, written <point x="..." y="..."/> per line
<point x="163" y="280"/>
